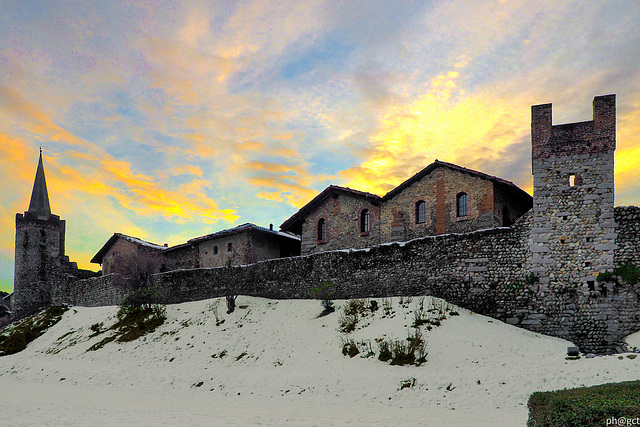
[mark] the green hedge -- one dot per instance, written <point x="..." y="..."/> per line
<point x="585" y="406"/>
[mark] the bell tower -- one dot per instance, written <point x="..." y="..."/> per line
<point x="39" y="250"/>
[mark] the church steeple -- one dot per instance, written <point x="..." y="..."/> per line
<point x="40" y="196"/>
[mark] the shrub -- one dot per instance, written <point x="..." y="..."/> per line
<point x="355" y="307"/>
<point x="628" y="272"/>
<point x="348" y="323"/>
<point x="139" y="299"/>
<point x="323" y="292"/>
<point x="386" y="306"/>
<point x="585" y="406"/>
<point x="349" y="347"/>
<point x="532" y="279"/>
<point x="214" y="308"/>
<point x="385" y="353"/>
<point x="411" y="351"/>
<point x="16" y="337"/>
<point x="137" y="316"/>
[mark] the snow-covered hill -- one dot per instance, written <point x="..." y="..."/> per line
<point x="275" y="362"/>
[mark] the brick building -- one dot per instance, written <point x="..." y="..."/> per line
<point x="337" y="218"/>
<point x="441" y="198"/>
<point x="446" y="198"/>
<point x="244" y="244"/>
<point x="120" y="246"/>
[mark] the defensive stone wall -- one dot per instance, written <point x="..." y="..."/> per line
<point x="93" y="292"/>
<point x="628" y="241"/>
<point x="487" y="272"/>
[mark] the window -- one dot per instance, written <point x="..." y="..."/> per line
<point x="215" y="250"/>
<point x="322" y="229"/>
<point x="572" y="180"/>
<point x="461" y="204"/>
<point x="365" y="221"/>
<point x="506" y="219"/>
<point x="229" y="247"/>
<point x="421" y="212"/>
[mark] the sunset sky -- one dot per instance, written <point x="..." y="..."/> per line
<point x="171" y="120"/>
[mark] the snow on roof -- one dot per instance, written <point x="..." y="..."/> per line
<point x="242" y="228"/>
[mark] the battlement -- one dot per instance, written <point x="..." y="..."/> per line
<point x="595" y="136"/>
<point x="573" y="179"/>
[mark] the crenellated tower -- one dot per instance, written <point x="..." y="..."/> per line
<point x="39" y="250"/>
<point x="574" y="231"/>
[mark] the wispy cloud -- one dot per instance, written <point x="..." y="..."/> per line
<point x="168" y="119"/>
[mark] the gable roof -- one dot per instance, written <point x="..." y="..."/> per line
<point x="294" y="223"/>
<point x="97" y="259"/>
<point x="504" y="184"/>
<point x="240" y="229"/>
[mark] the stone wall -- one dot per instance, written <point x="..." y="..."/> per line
<point x="574" y="229"/>
<point x="94" y="292"/>
<point x="487" y="272"/>
<point x="628" y="240"/>
<point x="39" y="253"/>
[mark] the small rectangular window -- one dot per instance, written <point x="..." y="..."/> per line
<point x="215" y="250"/>
<point x="229" y="247"/>
<point x="572" y="180"/>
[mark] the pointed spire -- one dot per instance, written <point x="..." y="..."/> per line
<point x="40" y="196"/>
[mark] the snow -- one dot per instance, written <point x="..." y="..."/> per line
<point x="283" y="365"/>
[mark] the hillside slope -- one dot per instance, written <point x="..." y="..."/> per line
<point x="274" y="362"/>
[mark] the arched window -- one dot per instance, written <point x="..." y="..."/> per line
<point x="322" y="229"/>
<point x="461" y="204"/>
<point x="421" y="212"/>
<point x="365" y="224"/>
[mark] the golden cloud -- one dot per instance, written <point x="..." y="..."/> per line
<point x="441" y="124"/>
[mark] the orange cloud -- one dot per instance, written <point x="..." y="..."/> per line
<point x="14" y="103"/>
<point x="441" y="124"/>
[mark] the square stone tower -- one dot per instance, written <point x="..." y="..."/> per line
<point x="39" y="250"/>
<point x="574" y="230"/>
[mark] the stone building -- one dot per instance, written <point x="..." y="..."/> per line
<point x="574" y="233"/>
<point x="446" y="198"/>
<point x="337" y="218"/>
<point x="39" y="251"/>
<point x="119" y="247"/>
<point x="244" y="244"/>
<point x="441" y="198"/>
<point x="180" y="257"/>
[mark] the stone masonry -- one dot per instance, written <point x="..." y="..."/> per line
<point x="539" y="273"/>
<point x="574" y="233"/>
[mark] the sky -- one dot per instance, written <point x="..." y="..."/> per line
<point x="170" y="120"/>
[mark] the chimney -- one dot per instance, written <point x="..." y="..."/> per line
<point x="271" y="227"/>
